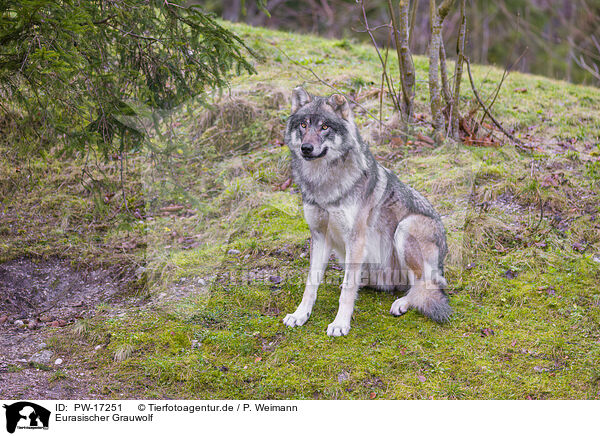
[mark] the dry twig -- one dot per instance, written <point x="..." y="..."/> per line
<point x="518" y="142"/>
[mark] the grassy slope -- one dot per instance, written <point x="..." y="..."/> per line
<point x="525" y="290"/>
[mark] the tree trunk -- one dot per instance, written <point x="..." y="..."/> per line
<point x="405" y="62"/>
<point x="458" y="70"/>
<point x="436" y="16"/>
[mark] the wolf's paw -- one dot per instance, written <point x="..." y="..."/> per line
<point x="338" y="329"/>
<point x="296" y="319"/>
<point x="400" y="306"/>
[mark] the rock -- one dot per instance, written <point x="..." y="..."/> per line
<point x="19" y="323"/>
<point x="42" y="345"/>
<point x="3" y="319"/>
<point x="41" y="357"/>
<point x="234" y="252"/>
<point x="140" y="271"/>
<point x="98" y="347"/>
<point x="202" y="282"/>
<point x="58" y="361"/>
<point x="32" y="325"/>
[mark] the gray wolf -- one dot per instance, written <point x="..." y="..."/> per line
<point x="386" y="234"/>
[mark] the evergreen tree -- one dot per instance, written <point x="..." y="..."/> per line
<point x="70" y="70"/>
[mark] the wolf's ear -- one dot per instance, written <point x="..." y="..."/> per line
<point x="340" y="105"/>
<point x="299" y="98"/>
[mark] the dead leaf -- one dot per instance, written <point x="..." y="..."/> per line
<point x="285" y="185"/>
<point x="372" y="395"/>
<point x="487" y="332"/>
<point x="520" y="90"/>
<point x="422" y="378"/>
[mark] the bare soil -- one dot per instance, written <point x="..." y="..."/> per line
<point x="38" y="298"/>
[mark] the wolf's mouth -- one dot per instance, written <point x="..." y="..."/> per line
<point x="323" y="153"/>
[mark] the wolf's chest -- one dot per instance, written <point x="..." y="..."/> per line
<point x="341" y="222"/>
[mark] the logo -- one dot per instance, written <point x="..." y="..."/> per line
<point x="26" y="415"/>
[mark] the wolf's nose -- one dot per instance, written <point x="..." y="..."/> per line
<point x="306" y="149"/>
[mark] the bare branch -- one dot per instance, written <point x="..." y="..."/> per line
<point x="413" y="21"/>
<point x="389" y="81"/>
<point x="582" y="64"/>
<point x="485" y="109"/>
<point x="324" y="82"/>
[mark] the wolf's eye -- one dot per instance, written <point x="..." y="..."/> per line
<point x="324" y="127"/>
<point x="303" y="125"/>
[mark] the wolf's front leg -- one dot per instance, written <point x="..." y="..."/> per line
<point x="352" y="276"/>
<point x="341" y="324"/>
<point x="319" y="255"/>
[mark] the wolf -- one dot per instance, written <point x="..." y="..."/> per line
<point x="385" y="233"/>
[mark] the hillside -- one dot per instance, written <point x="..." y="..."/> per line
<point x="209" y="251"/>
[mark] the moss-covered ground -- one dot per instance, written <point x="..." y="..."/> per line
<point x="220" y="234"/>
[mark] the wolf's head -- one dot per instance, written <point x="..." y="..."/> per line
<point x="320" y="127"/>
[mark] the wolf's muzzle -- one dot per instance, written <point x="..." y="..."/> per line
<point x="307" y="150"/>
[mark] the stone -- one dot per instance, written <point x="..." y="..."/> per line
<point x="41" y="357"/>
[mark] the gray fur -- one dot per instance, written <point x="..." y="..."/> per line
<point x="364" y="213"/>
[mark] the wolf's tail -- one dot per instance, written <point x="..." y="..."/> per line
<point x="430" y="299"/>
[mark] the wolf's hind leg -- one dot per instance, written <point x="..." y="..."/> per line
<point x="319" y="255"/>
<point x="419" y="255"/>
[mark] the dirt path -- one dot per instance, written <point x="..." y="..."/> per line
<point x="36" y="300"/>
